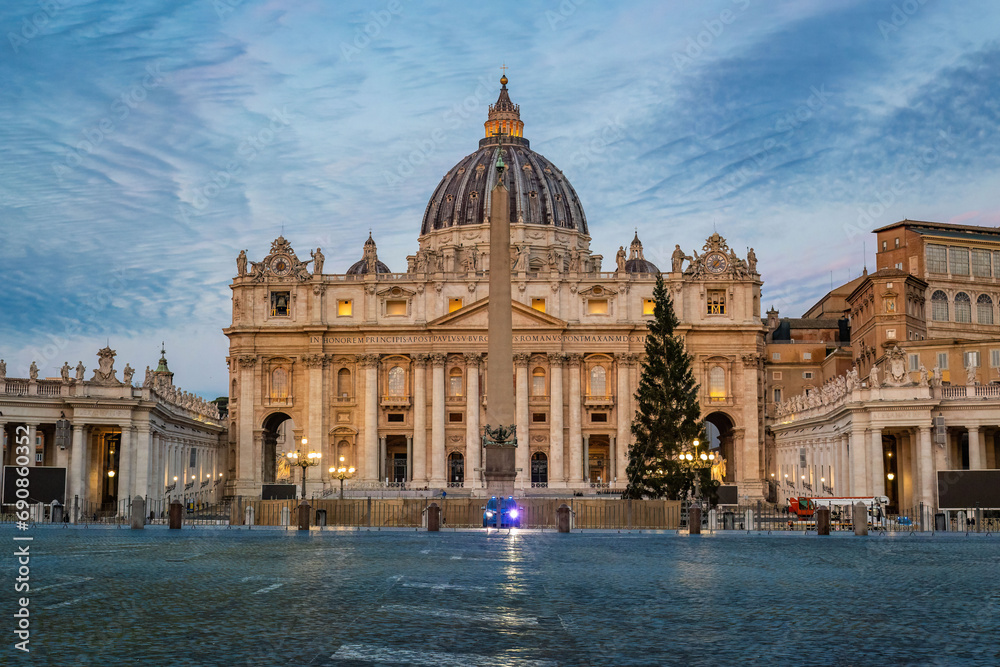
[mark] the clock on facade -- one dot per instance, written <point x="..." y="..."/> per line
<point x="716" y="262"/>
<point x="281" y="265"/>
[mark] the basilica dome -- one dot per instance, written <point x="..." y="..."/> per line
<point x="539" y="193"/>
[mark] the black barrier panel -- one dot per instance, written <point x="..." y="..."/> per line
<point x="961" y="489"/>
<point x="45" y="484"/>
<point x="278" y="492"/>
<point x="728" y="495"/>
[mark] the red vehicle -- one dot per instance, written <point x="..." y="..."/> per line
<point x="805" y="508"/>
<point x="801" y="507"/>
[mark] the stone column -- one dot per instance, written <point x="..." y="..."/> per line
<point x="369" y="470"/>
<point x="78" y="468"/>
<point x="843" y="470"/>
<point x="876" y="466"/>
<point x="125" y="462"/>
<point x="473" y="441"/>
<point x="143" y="460"/>
<point x="409" y="459"/>
<point x="586" y="462"/>
<point x="625" y="413"/>
<point x="248" y="455"/>
<point x="859" y="463"/>
<point x="575" y="436"/>
<point x="383" y="460"/>
<point x="523" y="454"/>
<point x="419" y="463"/>
<point x="556" y="472"/>
<point x="315" y="365"/>
<point x="437" y="421"/>
<point x="977" y="449"/>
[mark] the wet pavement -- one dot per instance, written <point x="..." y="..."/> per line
<point x="270" y="597"/>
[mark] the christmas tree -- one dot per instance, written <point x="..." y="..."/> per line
<point x="668" y="416"/>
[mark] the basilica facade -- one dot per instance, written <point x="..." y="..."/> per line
<point x="384" y="369"/>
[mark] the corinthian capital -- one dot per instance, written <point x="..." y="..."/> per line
<point x="556" y="358"/>
<point x="368" y="360"/>
<point x="521" y="359"/>
<point x="473" y="359"/>
<point x="248" y="361"/>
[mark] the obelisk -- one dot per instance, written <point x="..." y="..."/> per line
<point x="500" y="438"/>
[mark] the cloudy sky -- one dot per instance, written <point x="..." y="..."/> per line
<point x="145" y="143"/>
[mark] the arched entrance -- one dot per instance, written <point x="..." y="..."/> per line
<point x="456" y="470"/>
<point x="539" y="470"/>
<point x="719" y="427"/>
<point x="275" y="441"/>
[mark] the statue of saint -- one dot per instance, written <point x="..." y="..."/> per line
<point x="33" y="371"/>
<point x="971" y="373"/>
<point x="318" y="259"/>
<point x="522" y="259"/>
<point x="80" y="370"/>
<point x="574" y="260"/>
<point x="620" y="258"/>
<point x="677" y="259"/>
<point x="3" y="369"/>
<point x="127" y="374"/>
<point x="148" y="382"/>
<point x="241" y="263"/>
<point x="873" y="378"/>
<point x="64" y="371"/>
<point x="751" y="261"/>
<point x="924" y="380"/>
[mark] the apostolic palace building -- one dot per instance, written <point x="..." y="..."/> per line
<point x="385" y="366"/>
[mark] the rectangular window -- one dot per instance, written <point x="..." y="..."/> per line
<point x="776" y="356"/>
<point x="454" y="304"/>
<point x="914" y="362"/>
<point x="395" y="307"/>
<point x="280" y="302"/>
<point x="776" y="375"/>
<point x="455" y="417"/>
<point x="807" y="356"/>
<point x="943" y="361"/>
<point x="937" y="259"/>
<point x="981" y="263"/>
<point x="647" y="306"/>
<point x="884" y="245"/>
<point x="899" y="265"/>
<point x="599" y="417"/>
<point x="716" y="302"/>
<point x="538" y="417"/>
<point x="897" y="241"/>
<point x="395" y="417"/>
<point x="597" y="306"/>
<point x="958" y="261"/>
<point x="972" y="359"/>
<point x="995" y="358"/>
<point x="777" y="394"/>
<point x="538" y="304"/>
<point x="345" y="308"/>
<point x="807" y="375"/>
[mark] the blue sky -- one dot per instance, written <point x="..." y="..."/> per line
<point x="145" y="143"/>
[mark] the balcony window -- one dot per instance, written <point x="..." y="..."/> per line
<point x="397" y="381"/>
<point x="455" y="382"/>
<point x="984" y="309"/>
<point x="939" y="306"/>
<point x="963" y="307"/>
<point x="538" y="382"/>
<point x="717" y="383"/>
<point x="279" y="384"/>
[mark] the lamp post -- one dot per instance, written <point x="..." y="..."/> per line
<point x="304" y="461"/>
<point x="341" y="473"/>
<point x="693" y="460"/>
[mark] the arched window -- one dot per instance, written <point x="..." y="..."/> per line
<point x="598" y="381"/>
<point x="232" y="394"/>
<point x="538" y="382"/>
<point x="343" y="383"/>
<point x="456" y="469"/>
<point x="279" y="384"/>
<point x="539" y="470"/>
<point x="939" y="306"/>
<point x="717" y="383"/>
<point x="397" y="381"/>
<point x="984" y="309"/>
<point x="455" y="382"/>
<point x="963" y="307"/>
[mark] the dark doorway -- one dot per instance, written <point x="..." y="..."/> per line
<point x="269" y="448"/>
<point x="719" y="429"/>
<point x="456" y="469"/>
<point x="539" y="470"/>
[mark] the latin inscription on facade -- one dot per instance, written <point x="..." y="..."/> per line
<point x="477" y="338"/>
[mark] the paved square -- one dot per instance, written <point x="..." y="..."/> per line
<point x="267" y="597"/>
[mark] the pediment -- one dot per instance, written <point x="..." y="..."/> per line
<point x="476" y="316"/>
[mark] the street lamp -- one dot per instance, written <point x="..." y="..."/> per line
<point x="342" y="473"/>
<point x="297" y="458"/>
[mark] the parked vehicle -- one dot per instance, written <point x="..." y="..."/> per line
<point x="509" y="513"/>
<point x="805" y="507"/>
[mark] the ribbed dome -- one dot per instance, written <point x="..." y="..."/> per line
<point x="636" y="263"/>
<point x="539" y="193"/>
<point x="368" y="258"/>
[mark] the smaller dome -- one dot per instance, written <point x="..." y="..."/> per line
<point x="636" y="263"/>
<point x="360" y="267"/>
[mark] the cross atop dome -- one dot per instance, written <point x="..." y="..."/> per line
<point x="505" y="116"/>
